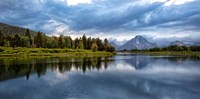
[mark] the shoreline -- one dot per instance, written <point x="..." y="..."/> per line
<point x="172" y="53"/>
<point x="21" y="52"/>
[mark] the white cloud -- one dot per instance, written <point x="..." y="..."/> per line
<point x="177" y="2"/>
<point x="153" y="1"/>
<point x="75" y="2"/>
<point x="168" y="2"/>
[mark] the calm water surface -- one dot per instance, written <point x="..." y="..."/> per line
<point x="124" y="76"/>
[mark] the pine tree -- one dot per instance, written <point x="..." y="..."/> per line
<point x="105" y="45"/>
<point x="73" y="44"/>
<point x="54" y="43"/>
<point x="29" y="36"/>
<point x="1" y="39"/>
<point x="84" y="39"/>
<point x="61" y="41"/>
<point x="8" y="41"/>
<point x="38" y="40"/>
<point x="76" y="43"/>
<point x="24" y="42"/>
<point x="68" y="43"/>
<point x="105" y="41"/>
<point x="81" y="45"/>
<point x="16" y="41"/>
<point x="100" y="44"/>
<point x="111" y="49"/>
<point x="89" y="43"/>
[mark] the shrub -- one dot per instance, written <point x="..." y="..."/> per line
<point x="1" y="50"/>
<point x="94" y="47"/>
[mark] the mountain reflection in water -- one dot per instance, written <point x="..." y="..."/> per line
<point x="124" y="76"/>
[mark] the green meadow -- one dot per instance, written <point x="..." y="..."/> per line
<point x="20" y="51"/>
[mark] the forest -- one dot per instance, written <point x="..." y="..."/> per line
<point x="40" y="40"/>
<point x="172" y="48"/>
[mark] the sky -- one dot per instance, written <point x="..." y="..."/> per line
<point x="160" y="21"/>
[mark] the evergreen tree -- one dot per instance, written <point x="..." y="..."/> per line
<point x="100" y="44"/>
<point x="76" y="43"/>
<point x="111" y="49"/>
<point x="24" y="41"/>
<point x="73" y="44"/>
<point x="54" y="42"/>
<point x="46" y="41"/>
<point x="89" y="43"/>
<point x="105" y="41"/>
<point x="16" y="41"/>
<point x="68" y="43"/>
<point x="93" y="40"/>
<point x="6" y="43"/>
<point x="105" y="45"/>
<point x="81" y="45"/>
<point x="1" y="39"/>
<point x="29" y="36"/>
<point x="61" y="41"/>
<point x="38" y="40"/>
<point x="84" y="39"/>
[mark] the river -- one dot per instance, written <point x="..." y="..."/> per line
<point x="124" y="76"/>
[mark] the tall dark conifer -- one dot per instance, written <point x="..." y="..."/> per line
<point x="89" y="43"/>
<point x="16" y="41"/>
<point x="100" y="44"/>
<point x="1" y="39"/>
<point x="61" y="41"/>
<point x="84" y="39"/>
<point x="29" y="36"/>
<point x="68" y="43"/>
<point x="38" y="40"/>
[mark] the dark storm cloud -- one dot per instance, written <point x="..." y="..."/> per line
<point x="112" y="18"/>
<point x="109" y="16"/>
<point x="183" y="15"/>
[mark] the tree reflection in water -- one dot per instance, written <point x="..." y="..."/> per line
<point x="13" y="68"/>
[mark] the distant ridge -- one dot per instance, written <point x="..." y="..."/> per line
<point x="114" y="45"/>
<point x="178" y="43"/>
<point x="7" y="29"/>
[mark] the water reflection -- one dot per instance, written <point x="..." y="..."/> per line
<point x="127" y="76"/>
<point x="12" y="68"/>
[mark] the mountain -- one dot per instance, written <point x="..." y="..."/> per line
<point x="114" y="45"/>
<point x="11" y="30"/>
<point x="138" y="42"/>
<point x="178" y="43"/>
<point x="196" y="44"/>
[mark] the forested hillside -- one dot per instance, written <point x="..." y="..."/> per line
<point x="12" y="36"/>
<point x="11" y="30"/>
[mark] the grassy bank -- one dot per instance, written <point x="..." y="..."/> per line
<point x="175" y="53"/>
<point x="7" y="51"/>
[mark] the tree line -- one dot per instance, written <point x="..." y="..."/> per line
<point x="172" y="48"/>
<point x="40" y="40"/>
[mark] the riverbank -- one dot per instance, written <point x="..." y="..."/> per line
<point x="8" y="51"/>
<point x="174" y="53"/>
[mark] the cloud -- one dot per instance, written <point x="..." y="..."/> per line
<point x="121" y="19"/>
<point x="75" y="2"/>
<point x="177" y="2"/>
